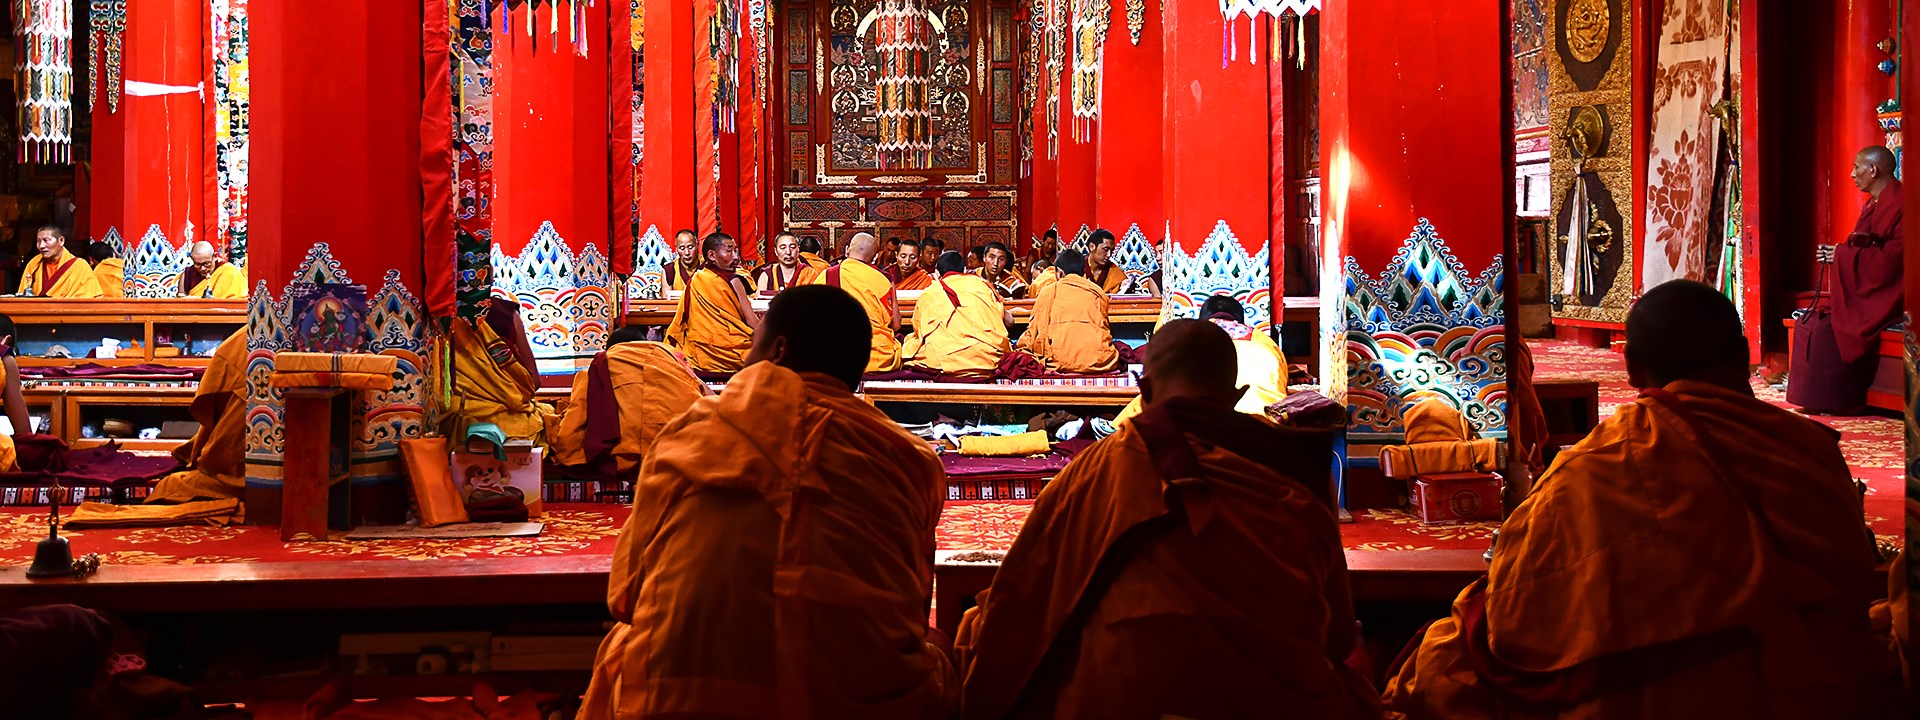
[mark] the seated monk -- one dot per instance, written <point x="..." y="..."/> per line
<point x="905" y="272"/>
<point x="785" y="270"/>
<point x="875" y="293"/>
<point x="930" y="251"/>
<point x="494" y="373"/>
<point x="959" y="325"/>
<point x="618" y="406"/>
<point x="1263" y="368"/>
<point x="1100" y="268"/>
<point x="211" y="277"/>
<point x="54" y="272"/>
<point x="779" y="559"/>
<point x="715" y="322"/>
<point x="812" y="263"/>
<point x="12" y="401"/>
<point x="1069" y="328"/>
<point x="1701" y="553"/>
<point x="685" y="260"/>
<point x="994" y="262"/>
<point x="1039" y="257"/>
<point x="108" y="269"/>
<point x="1184" y="566"/>
<point x="215" y="459"/>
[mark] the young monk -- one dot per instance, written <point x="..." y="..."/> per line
<point x="1039" y="257"/>
<point x="811" y="261"/>
<point x="905" y="272"/>
<point x="1069" y="329"/>
<point x="1263" y="368"/>
<point x="930" y="251"/>
<point x="875" y="293"/>
<point x="959" y="325"/>
<point x="1182" y="567"/>
<point x="1701" y="554"/>
<point x="215" y="459"/>
<point x="627" y="394"/>
<point x="995" y="268"/>
<point x="108" y="269"/>
<point x="1100" y="267"/>
<point x="715" y="322"/>
<point x="211" y="277"/>
<point x="779" y="559"/>
<point x="54" y="272"/>
<point x="784" y="271"/>
<point x="685" y="260"/>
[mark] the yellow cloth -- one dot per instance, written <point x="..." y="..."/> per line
<point x="1403" y="462"/>
<point x="9" y="454"/>
<point x="200" y="512"/>
<point x="652" y="385"/>
<point x="357" y="371"/>
<point x="1046" y="276"/>
<point x="350" y="381"/>
<point x="778" y="563"/>
<point x="111" y="273"/>
<point x="215" y="459"/>
<point x="708" y="326"/>
<point x="494" y="392"/>
<point x="875" y="293"/>
<point x="69" y="278"/>
<point x="967" y="340"/>
<point x="228" y="282"/>
<point x="1434" y="420"/>
<point x="1021" y="445"/>
<point x="1069" y="330"/>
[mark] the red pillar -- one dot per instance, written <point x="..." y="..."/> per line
<point x="147" y="156"/>
<point x="550" y="132"/>
<point x="1127" y="138"/>
<point x="1076" y="167"/>
<point x="1863" y="24"/>
<point x="667" y="188"/>
<point x="1215" y="135"/>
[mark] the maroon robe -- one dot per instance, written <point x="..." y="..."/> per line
<point x="1868" y="295"/>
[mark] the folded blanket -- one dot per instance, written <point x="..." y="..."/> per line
<point x="1022" y="445"/>
<point x="351" y="381"/>
<point x="335" y="362"/>
<point x="1406" y="461"/>
<point x="208" y="512"/>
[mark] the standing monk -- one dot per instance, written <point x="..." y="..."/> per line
<point x="959" y="325"/>
<point x="627" y="394"/>
<point x="685" y="261"/>
<point x="211" y="277"/>
<point x="905" y="272"/>
<point x="715" y="321"/>
<point x="1185" y="566"/>
<point x="56" y="273"/>
<point x="1069" y="329"/>
<point x="811" y="262"/>
<point x="108" y="269"/>
<point x="215" y="459"/>
<point x="779" y="559"/>
<point x="875" y="293"/>
<point x="1867" y="294"/>
<point x="1100" y="267"/>
<point x="784" y="271"/>
<point x="1701" y="553"/>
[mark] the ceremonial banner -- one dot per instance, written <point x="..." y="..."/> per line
<point x="1689" y="80"/>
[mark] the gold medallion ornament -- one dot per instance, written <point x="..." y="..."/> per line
<point x="1587" y="25"/>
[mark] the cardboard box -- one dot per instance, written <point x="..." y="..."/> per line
<point x="518" y="475"/>
<point x="1456" y="497"/>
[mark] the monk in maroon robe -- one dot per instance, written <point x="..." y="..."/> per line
<point x="1867" y="292"/>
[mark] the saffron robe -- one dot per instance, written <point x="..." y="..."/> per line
<point x="778" y="562"/>
<point x="66" y="277"/>
<point x="708" y="326"/>
<point x="1069" y="328"/>
<point x="1041" y="280"/>
<point x="1700" y="554"/>
<point x="959" y="328"/>
<point x="679" y="272"/>
<point x="811" y="265"/>
<point x="215" y="459"/>
<point x="494" y="375"/>
<point x="1009" y="286"/>
<point x="1111" y="279"/>
<point x="226" y="282"/>
<point x="916" y="279"/>
<point x="1262" y="367"/>
<point x="111" y="273"/>
<point x="875" y="293"/>
<point x="647" y="385"/>
<point x="1181" y="567"/>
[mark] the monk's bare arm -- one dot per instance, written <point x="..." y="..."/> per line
<point x="766" y="281"/>
<point x="16" y="402"/>
<point x="1006" y="316"/>
<point x="894" y="307"/>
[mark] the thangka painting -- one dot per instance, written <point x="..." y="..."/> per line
<point x="1687" y="82"/>
<point x="328" y="317"/>
<point x="1588" y="50"/>
<point x="900" y="83"/>
<point x="1424" y="328"/>
<point x="1530" y="93"/>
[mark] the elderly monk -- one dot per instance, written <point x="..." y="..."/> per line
<point x="1100" y="267"/>
<point x="215" y="459"/>
<point x="108" y="269"/>
<point x="495" y="376"/>
<point x="628" y="393"/>
<point x="875" y="293"/>
<point x="211" y="277"/>
<point x="1701" y="554"/>
<point x="779" y="559"/>
<point x="785" y="270"/>
<point x="715" y="322"/>
<point x="959" y="325"/>
<point x="811" y="261"/>
<point x="1867" y="295"/>
<point x="1069" y="329"/>
<point x="686" y="259"/>
<point x="996" y="268"/>
<point x="56" y="273"/>
<point x="905" y="272"/>
<point x="1185" y="566"/>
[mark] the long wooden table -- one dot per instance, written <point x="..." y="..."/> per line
<point x="1124" y="309"/>
<point x="141" y="316"/>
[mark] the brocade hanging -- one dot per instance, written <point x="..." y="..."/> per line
<point x="723" y="46"/>
<point x="902" y="39"/>
<point x="106" y="31"/>
<point x="1090" y="21"/>
<point x="472" y="84"/>
<point x="232" y="95"/>
<point x="43" y="79"/>
<point x="1284" y="28"/>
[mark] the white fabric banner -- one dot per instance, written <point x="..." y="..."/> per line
<point x="1689" y="80"/>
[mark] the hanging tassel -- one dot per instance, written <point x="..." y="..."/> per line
<point x="1253" y="39"/>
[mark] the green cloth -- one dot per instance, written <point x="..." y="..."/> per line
<point x="490" y="433"/>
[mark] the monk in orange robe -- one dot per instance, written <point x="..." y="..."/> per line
<point x="779" y="559"/>
<point x="959" y="325"/>
<point x="1188" y="565"/>
<point x="56" y="273"/>
<point x="1100" y="267"/>
<point x="1069" y="329"/>
<point x="1701" y="554"/>
<point x="108" y="270"/>
<point x="875" y="293"/>
<point x="619" y="404"/>
<point x="812" y="263"/>
<point x="905" y="272"/>
<point x="1039" y="257"/>
<point x="715" y="322"/>
<point x="686" y="260"/>
<point x="215" y="459"/>
<point x="211" y="277"/>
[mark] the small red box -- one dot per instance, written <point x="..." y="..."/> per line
<point x="1456" y="497"/>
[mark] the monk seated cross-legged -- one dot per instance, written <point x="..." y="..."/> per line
<point x="1263" y="368"/>
<point x="959" y="325"/>
<point x="715" y="321"/>
<point x="874" y="291"/>
<point x="211" y="277"/>
<point x="215" y="459"/>
<point x="55" y="272"/>
<point x="811" y="262"/>
<point x="627" y="394"/>
<point x="1701" y="554"/>
<point x="779" y="558"/>
<point x="905" y="272"/>
<point x="1069" y="329"/>
<point x="1182" y="567"/>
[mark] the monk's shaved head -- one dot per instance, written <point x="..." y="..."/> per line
<point x="1878" y="158"/>
<point x="1684" y="330"/>
<point x="861" y="246"/>
<point x="1191" y="358"/>
<point x="815" y="328"/>
<point x="626" y="334"/>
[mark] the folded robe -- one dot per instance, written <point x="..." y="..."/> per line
<point x="1021" y="445"/>
<point x="353" y="371"/>
<point x="1403" y="462"/>
<point x="198" y="512"/>
<point x="1069" y="329"/>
